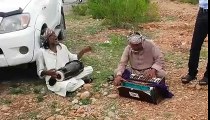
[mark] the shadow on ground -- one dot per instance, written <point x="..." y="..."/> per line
<point x="18" y="75"/>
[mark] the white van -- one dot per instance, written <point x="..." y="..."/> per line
<point x="21" y="24"/>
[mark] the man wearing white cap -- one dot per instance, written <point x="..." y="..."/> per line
<point x="54" y="56"/>
<point x="143" y="57"/>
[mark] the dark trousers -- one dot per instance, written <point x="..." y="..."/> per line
<point x="200" y="33"/>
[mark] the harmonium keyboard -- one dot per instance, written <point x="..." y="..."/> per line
<point x="137" y="87"/>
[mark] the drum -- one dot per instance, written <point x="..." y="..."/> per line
<point x="71" y="69"/>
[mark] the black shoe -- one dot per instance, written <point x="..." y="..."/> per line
<point x="203" y="81"/>
<point x="186" y="79"/>
<point x="52" y="81"/>
<point x="87" y="80"/>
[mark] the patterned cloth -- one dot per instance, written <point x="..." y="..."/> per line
<point x="136" y="39"/>
<point x="48" y="32"/>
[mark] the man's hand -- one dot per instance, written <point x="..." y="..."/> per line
<point x="118" y="79"/>
<point x="52" y="73"/>
<point x="83" y="51"/>
<point x="87" y="49"/>
<point x="150" y="73"/>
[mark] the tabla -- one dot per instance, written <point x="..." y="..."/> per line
<point x="71" y="69"/>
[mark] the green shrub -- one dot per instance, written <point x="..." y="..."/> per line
<point x="80" y="9"/>
<point x="97" y="8"/>
<point x="5" y="101"/>
<point x="86" y="101"/>
<point x="119" y="13"/>
<point x="40" y="98"/>
<point x="152" y="14"/>
<point x="18" y="90"/>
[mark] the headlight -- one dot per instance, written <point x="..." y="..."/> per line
<point x="14" y="23"/>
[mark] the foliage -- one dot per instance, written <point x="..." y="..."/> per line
<point x="86" y="101"/>
<point x="18" y="90"/>
<point x="5" y="101"/>
<point x="80" y="9"/>
<point x="40" y="98"/>
<point x="120" y="13"/>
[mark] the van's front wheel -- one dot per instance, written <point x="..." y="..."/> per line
<point x="32" y="69"/>
<point x="61" y="34"/>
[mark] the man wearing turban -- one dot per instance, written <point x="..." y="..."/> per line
<point x="141" y="57"/>
<point x="53" y="56"/>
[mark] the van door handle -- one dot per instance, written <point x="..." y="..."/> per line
<point x="44" y="7"/>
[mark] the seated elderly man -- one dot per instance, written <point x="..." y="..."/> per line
<point x="54" y="56"/>
<point x="143" y="57"/>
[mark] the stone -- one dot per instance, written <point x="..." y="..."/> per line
<point x="81" y="110"/>
<point x="105" y="93"/>
<point x="75" y="107"/>
<point x="43" y="91"/>
<point x="106" y="85"/>
<point x="85" y="95"/>
<point x="113" y="96"/>
<point x="87" y="86"/>
<point x="78" y="95"/>
<point x="107" y="118"/>
<point x="93" y="100"/>
<point x="57" y="110"/>
<point x="198" y="87"/>
<point x="97" y="96"/>
<point x="75" y="101"/>
<point x="51" y="118"/>
<point x="6" y="114"/>
<point x="5" y="108"/>
<point x="60" y="117"/>
<point x="111" y="114"/>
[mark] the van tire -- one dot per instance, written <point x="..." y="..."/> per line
<point x="61" y="35"/>
<point x="32" y="69"/>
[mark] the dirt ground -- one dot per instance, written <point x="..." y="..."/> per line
<point x="190" y="102"/>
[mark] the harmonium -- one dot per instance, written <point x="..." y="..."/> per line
<point x="140" y="89"/>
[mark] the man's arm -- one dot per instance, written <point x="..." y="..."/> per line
<point x="79" y="55"/>
<point x="40" y="64"/>
<point x="121" y="67"/>
<point x="123" y="62"/>
<point x="158" y="59"/>
<point x="83" y="51"/>
<point x="158" y="63"/>
<point x="41" y="69"/>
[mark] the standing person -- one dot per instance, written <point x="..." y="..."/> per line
<point x="200" y="33"/>
<point x="54" y="56"/>
<point x="143" y="57"/>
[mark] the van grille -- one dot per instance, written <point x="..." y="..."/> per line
<point x="1" y="52"/>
